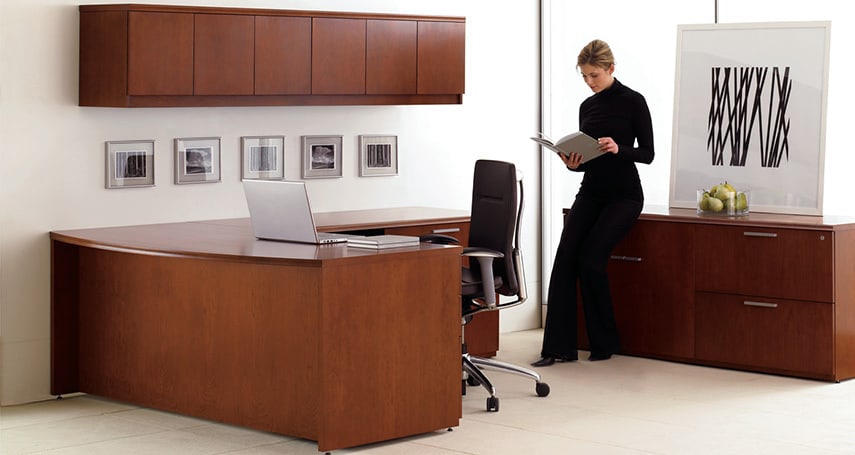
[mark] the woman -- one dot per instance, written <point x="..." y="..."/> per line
<point x="609" y="201"/>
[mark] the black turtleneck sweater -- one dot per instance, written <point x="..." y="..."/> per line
<point x="622" y="114"/>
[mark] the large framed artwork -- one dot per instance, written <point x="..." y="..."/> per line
<point x="750" y="109"/>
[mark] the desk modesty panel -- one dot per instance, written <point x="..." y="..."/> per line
<point x="316" y="342"/>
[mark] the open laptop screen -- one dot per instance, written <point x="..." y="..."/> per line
<point x="279" y="210"/>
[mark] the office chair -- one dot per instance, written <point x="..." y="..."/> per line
<point x="495" y="264"/>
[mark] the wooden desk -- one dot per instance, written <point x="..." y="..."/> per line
<point x="329" y="343"/>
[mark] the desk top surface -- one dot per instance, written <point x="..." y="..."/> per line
<point x="756" y="219"/>
<point x="233" y="238"/>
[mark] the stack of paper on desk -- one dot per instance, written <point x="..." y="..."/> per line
<point x="379" y="242"/>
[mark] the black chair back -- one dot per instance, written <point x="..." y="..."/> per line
<point x="493" y="219"/>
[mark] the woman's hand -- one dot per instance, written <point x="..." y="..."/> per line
<point x="572" y="161"/>
<point x="608" y="144"/>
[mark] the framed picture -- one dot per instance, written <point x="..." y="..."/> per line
<point x="378" y="155"/>
<point x="750" y="109"/>
<point x="129" y="164"/>
<point x="321" y="156"/>
<point x="197" y="160"/>
<point x="263" y="157"/>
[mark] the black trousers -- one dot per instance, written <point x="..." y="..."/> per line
<point x="592" y="228"/>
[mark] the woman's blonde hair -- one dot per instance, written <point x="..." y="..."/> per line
<point x="596" y="53"/>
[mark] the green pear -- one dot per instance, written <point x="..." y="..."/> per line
<point x="722" y="193"/>
<point x="704" y="205"/>
<point x="715" y="204"/>
<point x="741" y="202"/>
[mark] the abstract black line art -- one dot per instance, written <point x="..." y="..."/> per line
<point x="747" y="105"/>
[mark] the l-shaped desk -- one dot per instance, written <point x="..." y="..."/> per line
<point x="339" y="345"/>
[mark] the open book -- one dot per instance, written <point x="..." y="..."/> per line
<point x="577" y="142"/>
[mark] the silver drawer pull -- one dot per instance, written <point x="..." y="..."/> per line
<point x="760" y="304"/>
<point x="760" y="234"/>
<point x="626" y="258"/>
<point x="445" y="231"/>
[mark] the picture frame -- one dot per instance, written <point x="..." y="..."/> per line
<point x="378" y="155"/>
<point x="197" y="160"/>
<point x="129" y="164"/>
<point x="750" y="109"/>
<point x="262" y="157"/>
<point x="322" y="156"/>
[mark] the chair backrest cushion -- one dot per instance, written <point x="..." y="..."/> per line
<point x="493" y="217"/>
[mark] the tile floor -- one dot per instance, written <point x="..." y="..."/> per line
<point x="625" y="405"/>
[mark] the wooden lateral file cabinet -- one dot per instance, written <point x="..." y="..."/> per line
<point x="766" y="292"/>
<point x="482" y="333"/>
<point x="159" y="55"/>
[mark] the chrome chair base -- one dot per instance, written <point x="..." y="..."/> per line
<point x="473" y="367"/>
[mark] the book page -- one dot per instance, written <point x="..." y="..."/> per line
<point x="577" y="142"/>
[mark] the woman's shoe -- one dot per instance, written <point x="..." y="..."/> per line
<point x="596" y="357"/>
<point x="549" y="360"/>
<point x="544" y="362"/>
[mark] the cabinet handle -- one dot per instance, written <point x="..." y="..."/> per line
<point x="445" y="231"/>
<point x="760" y="234"/>
<point x="626" y="258"/>
<point x="760" y="304"/>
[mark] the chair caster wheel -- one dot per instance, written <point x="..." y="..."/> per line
<point x="542" y="389"/>
<point x="493" y="404"/>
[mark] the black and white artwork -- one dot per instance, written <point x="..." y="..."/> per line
<point x="322" y="156"/>
<point x="749" y="109"/>
<point x="262" y="157"/>
<point x="197" y="160"/>
<point x="378" y="155"/>
<point x="129" y="164"/>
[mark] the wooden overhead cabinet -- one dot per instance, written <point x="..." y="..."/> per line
<point x="223" y="54"/>
<point x="169" y="56"/>
<point x="441" y="57"/>
<point x="391" y="53"/>
<point x="160" y="53"/>
<point x="338" y="56"/>
<point x="283" y="55"/>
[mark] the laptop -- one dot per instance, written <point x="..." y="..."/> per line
<point x="279" y="210"/>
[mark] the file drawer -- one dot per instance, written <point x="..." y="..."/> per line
<point x="773" y="335"/>
<point x="770" y="262"/>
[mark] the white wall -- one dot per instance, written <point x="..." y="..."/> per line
<point x="52" y="152"/>
<point x="645" y="54"/>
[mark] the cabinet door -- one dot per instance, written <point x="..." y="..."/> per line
<point x="160" y="53"/>
<point x="338" y="56"/>
<point x="782" y="263"/>
<point x="778" y="336"/>
<point x="283" y="55"/>
<point x="652" y="289"/>
<point x="441" y="58"/>
<point x="391" y="57"/>
<point x="223" y="62"/>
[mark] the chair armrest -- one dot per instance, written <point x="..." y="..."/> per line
<point x="475" y="252"/>
<point x="438" y="238"/>
<point x="485" y="258"/>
